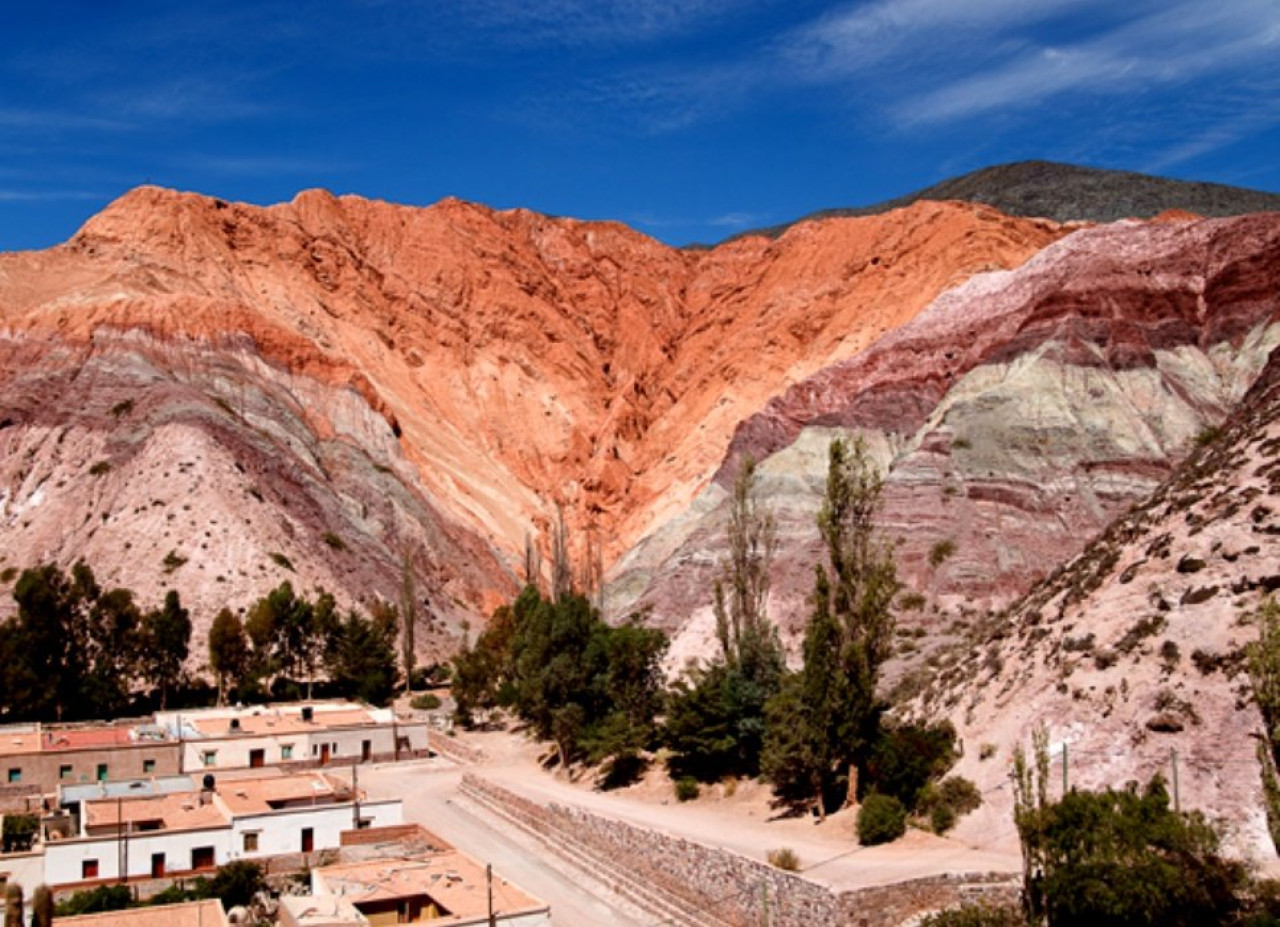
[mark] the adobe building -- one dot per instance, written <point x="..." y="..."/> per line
<point x="305" y="735"/>
<point x="447" y="889"/>
<point x="35" y="759"/>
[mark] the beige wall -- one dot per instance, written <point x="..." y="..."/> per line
<point x="46" y="768"/>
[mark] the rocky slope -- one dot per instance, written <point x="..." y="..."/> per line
<point x="1071" y="193"/>
<point x="332" y="382"/>
<point x="1014" y="418"/>
<point x="1133" y="653"/>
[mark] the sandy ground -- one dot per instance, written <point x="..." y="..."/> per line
<point x="743" y="822"/>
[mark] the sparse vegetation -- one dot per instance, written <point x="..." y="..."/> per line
<point x="122" y="408"/>
<point x="427" y="702"/>
<point x="881" y="819"/>
<point x="941" y="551"/>
<point x="784" y="858"/>
<point x="172" y="561"/>
<point x="687" y="788"/>
<point x="334" y="541"/>
<point x="281" y="560"/>
<point x="100" y="468"/>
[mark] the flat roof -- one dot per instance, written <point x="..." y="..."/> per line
<point x="173" y="812"/>
<point x="54" y="740"/>
<point x="128" y="788"/>
<point x="252" y="796"/>
<point x="452" y="879"/>
<point x="274" y="719"/>
<point x="207" y="913"/>
<point x="321" y="911"/>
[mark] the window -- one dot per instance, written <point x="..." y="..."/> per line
<point x="102" y="772"/>
<point x="251" y="842"/>
<point x="148" y="766"/>
<point x="202" y="857"/>
<point x="15" y="775"/>
<point x="89" y="869"/>
<point x="64" y="771"/>
<point x="209" y="757"/>
<point x="286" y="751"/>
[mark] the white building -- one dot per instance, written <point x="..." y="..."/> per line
<point x="314" y="734"/>
<point x="193" y="832"/>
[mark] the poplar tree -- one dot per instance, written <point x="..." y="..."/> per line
<point x="823" y="723"/>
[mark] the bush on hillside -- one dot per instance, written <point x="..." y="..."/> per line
<point x="881" y="819"/>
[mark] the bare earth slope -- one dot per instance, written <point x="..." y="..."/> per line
<point x="391" y="378"/>
<point x="1014" y="417"/>
<point x="1133" y="654"/>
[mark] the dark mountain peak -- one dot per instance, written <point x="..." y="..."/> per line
<point x="1069" y="192"/>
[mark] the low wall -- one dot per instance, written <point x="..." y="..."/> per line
<point x="735" y="889"/>
<point x="454" y="749"/>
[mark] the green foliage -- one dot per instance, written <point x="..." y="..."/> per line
<point x="881" y="819"/>
<point x="362" y="661"/>
<point x="716" y="714"/>
<point x="13" y="909"/>
<point x="905" y="757"/>
<point x="1118" y="857"/>
<point x="784" y="858"/>
<point x="687" y="788"/>
<point x="122" y="408"/>
<point x="1264" y="677"/>
<point x="426" y="702"/>
<point x="979" y="914"/>
<point x="824" y="720"/>
<point x="334" y="541"/>
<point x="281" y="560"/>
<point x="42" y="906"/>
<point x="291" y="635"/>
<point x="940" y="552"/>
<point x="8" y="574"/>
<point x="236" y="883"/>
<point x="172" y="561"/>
<point x="20" y="832"/>
<point x="592" y="689"/>
<point x="945" y="801"/>
<point x="71" y="649"/>
<point x="96" y="900"/>
<point x="166" y="639"/>
<point x="228" y="651"/>
<point x="100" y="468"/>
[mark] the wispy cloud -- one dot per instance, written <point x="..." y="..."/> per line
<point x="46" y="120"/>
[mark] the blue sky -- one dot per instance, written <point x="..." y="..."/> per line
<point x="688" y="120"/>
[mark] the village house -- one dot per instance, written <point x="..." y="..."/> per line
<point x="447" y="889"/>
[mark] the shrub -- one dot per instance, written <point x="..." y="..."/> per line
<point x="122" y="408"/>
<point x="20" y="832"/>
<point x="986" y="751"/>
<point x="960" y="794"/>
<point x="101" y="468"/>
<point x="911" y="601"/>
<point x="8" y="575"/>
<point x="981" y="914"/>
<point x="97" y="900"/>
<point x="784" y="858"/>
<point x="940" y="551"/>
<point x="881" y="819"/>
<point x="687" y="788"/>
<point x="172" y="560"/>
<point x="426" y="702"/>
<point x="942" y="818"/>
<point x="1170" y="654"/>
<point x="334" y="541"/>
<point x="281" y="560"/>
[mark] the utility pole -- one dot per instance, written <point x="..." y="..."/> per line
<point x="488" y="875"/>
<point x="1173" y="759"/>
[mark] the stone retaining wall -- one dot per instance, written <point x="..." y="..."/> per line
<point x="453" y="749"/>
<point x="734" y="889"/>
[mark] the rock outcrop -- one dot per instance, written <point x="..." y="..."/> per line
<point x="457" y="369"/>
<point x="1133" y="654"/>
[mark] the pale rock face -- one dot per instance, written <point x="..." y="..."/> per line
<point x="1133" y="655"/>
<point x="1014" y="417"/>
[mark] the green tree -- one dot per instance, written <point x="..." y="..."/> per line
<point x="823" y="730"/>
<point x="113" y="652"/>
<point x="409" y="612"/>
<point x="228" y="651"/>
<point x="716" y="717"/>
<point x="363" y="663"/>
<point x="166" y="636"/>
<point x="277" y="625"/>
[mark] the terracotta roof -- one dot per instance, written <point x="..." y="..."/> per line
<point x="206" y="913"/>
<point x="453" y="880"/>
<point x="281" y="720"/>
<point x="251" y="796"/>
<point x="182" y="811"/>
